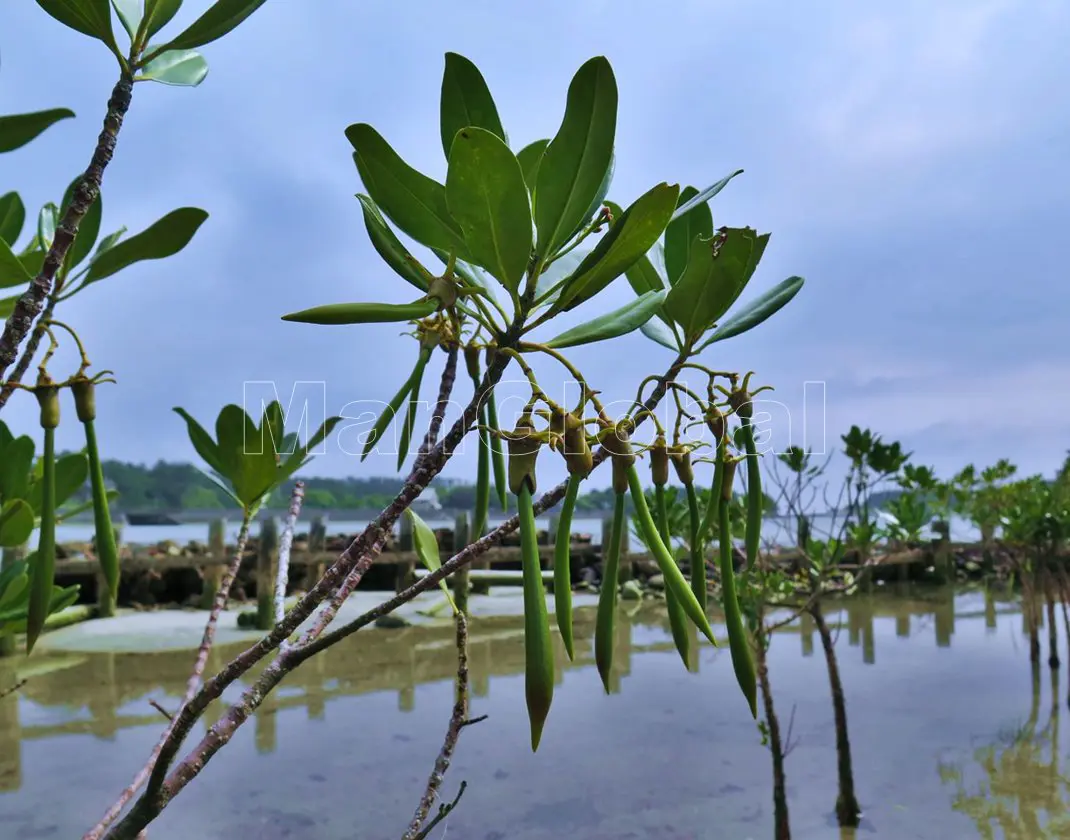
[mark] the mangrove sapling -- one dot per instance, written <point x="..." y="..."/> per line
<point x="539" y="214"/>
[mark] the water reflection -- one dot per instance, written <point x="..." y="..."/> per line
<point x="669" y="756"/>
<point x="1015" y="784"/>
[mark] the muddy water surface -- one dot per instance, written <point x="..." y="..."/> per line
<point x="952" y="737"/>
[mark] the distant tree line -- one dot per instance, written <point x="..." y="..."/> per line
<point x="172" y="485"/>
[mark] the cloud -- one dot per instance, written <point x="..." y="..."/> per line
<point x="909" y="160"/>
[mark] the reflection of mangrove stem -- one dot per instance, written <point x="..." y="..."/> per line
<point x="847" y="809"/>
<point x="781" y="823"/>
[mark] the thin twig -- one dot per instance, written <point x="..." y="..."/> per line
<point x="355" y="560"/>
<point x="161" y="710"/>
<point x="282" y="576"/>
<point x="445" y="388"/>
<point x="11" y="689"/>
<point x="453" y="731"/>
<point x="192" y="687"/>
<point x="30" y="303"/>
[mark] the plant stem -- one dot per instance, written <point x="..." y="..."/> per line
<point x="282" y="574"/>
<point x="30" y="304"/>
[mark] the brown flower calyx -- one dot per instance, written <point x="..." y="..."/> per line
<point x="659" y="461"/>
<point x="524" y="444"/>
<point x="715" y="422"/>
<point x="569" y="437"/>
<point x="680" y="457"/>
<point x="471" y="361"/>
<point x="618" y="443"/>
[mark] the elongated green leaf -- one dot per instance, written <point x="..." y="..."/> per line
<point x="657" y="331"/>
<point x="72" y="470"/>
<point x="248" y="461"/>
<point x="712" y="283"/>
<point x="643" y="278"/>
<point x="12" y="217"/>
<point x="16" y="130"/>
<point x="363" y="313"/>
<point x="164" y="238"/>
<point x="16" y="466"/>
<point x="33" y="261"/>
<point x="704" y="196"/>
<point x="628" y="238"/>
<point x="389" y="247"/>
<point x="301" y="454"/>
<point x="90" y="17"/>
<point x="411" y="200"/>
<point x="181" y="68"/>
<point x="682" y="231"/>
<point x="221" y="18"/>
<point x="466" y="101"/>
<point x="409" y="423"/>
<point x="88" y="230"/>
<point x="12" y="271"/>
<point x="129" y="12"/>
<point x="599" y="197"/>
<point x="16" y="523"/>
<point x="158" y="13"/>
<point x="554" y="274"/>
<point x="15" y="593"/>
<point x="629" y="317"/>
<point x="389" y="412"/>
<point x="7" y="306"/>
<point x="486" y="195"/>
<point x="575" y="162"/>
<point x="423" y="539"/>
<point x="758" y="310"/>
<point x="202" y="441"/>
<point x="530" y="157"/>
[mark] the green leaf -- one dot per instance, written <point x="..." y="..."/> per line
<point x="221" y="18"/>
<point x="658" y="332"/>
<point x="33" y="261"/>
<point x="411" y="200"/>
<point x="108" y="242"/>
<point x="248" y="462"/>
<point x="90" y="17"/>
<point x="466" y="101"/>
<point x="575" y="162"/>
<point x="300" y="455"/>
<point x="530" y="157"/>
<point x="599" y="198"/>
<point x="16" y="130"/>
<point x="363" y="313"/>
<point x="630" y="236"/>
<point x="129" y="12"/>
<point x="629" y="317"/>
<point x="7" y="305"/>
<point x="16" y="523"/>
<point x="682" y="231"/>
<point x="12" y="217"/>
<point x="711" y="284"/>
<point x="762" y="307"/>
<point x="16" y="589"/>
<point x="643" y="277"/>
<point x="72" y="470"/>
<point x="88" y="229"/>
<point x="15" y="468"/>
<point x="164" y="238"/>
<point x="47" y="220"/>
<point x="556" y="272"/>
<point x="704" y="196"/>
<point x="389" y="247"/>
<point x="158" y="13"/>
<point x="486" y="195"/>
<point x="202" y="442"/>
<point x="12" y="271"/>
<point x="423" y="539"/>
<point x="182" y="68"/>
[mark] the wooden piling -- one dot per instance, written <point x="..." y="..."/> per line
<point x="267" y="564"/>
<point x="942" y="560"/>
<point x="317" y="539"/>
<point x="807" y="627"/>
<point x="212" y="575"/>
<point x="406" y="568"/>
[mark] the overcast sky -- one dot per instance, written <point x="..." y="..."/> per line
<point x="910" y="160"/>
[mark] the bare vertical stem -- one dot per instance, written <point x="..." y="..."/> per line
<point x="32" y="301"/>
<point x="282" y="576"/>
<point x="458" y="720"/>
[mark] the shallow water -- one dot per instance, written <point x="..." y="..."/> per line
<point x="949" y="731"/>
